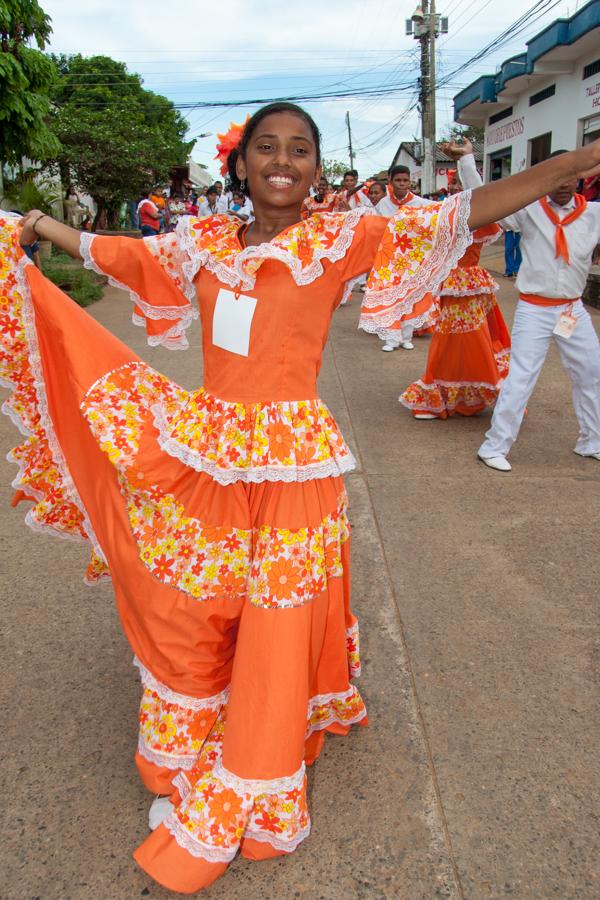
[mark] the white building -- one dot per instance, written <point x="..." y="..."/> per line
<point x="543" y="100"/>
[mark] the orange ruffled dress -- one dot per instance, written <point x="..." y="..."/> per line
<point x="469" y="353"/>
<point x="219" y="514"/>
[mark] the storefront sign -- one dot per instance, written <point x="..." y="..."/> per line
<point x="593" y="92"/>
<point x="505" y="132"/>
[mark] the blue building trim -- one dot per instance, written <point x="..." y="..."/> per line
<point x="561" y="32"/>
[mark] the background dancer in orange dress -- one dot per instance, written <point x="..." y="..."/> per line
<point x="399" y="196"/>
<point x="470" y="349"/>
<point x="220" y="514"/>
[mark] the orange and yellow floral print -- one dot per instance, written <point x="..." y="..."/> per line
<point x="173" y="727"/>
<point x="42" y="478"/>
<point x="282" y="440"/>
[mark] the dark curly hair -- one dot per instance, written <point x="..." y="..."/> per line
<point x="251" y="126"/>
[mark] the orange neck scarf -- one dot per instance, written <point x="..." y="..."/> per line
<point x="562" y="247"/>
<point x="399" y="203"/>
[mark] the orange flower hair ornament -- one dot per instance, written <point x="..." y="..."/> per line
<point x="228" y="142"/>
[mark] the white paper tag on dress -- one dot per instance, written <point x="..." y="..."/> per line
<point x="565" y="326"/>
<point x="232" y="321"/>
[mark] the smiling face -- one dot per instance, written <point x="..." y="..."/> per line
<point x="400" y="185"/>
<point x="349" y="182"/>
<point x="280" y="161"/>
<point x="376" y="193"/>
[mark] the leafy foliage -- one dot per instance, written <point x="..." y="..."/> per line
<point x="333" y="170"/>
<point x="25" y="78"/>
<point x="473" y="132"/>
<point x="82" y="286"/>
<point x="27" y="191"/>
<point x="116" y="137"/>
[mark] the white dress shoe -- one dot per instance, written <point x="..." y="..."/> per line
<point x="424" y="416"/>
<point x="387" y="348"/>
<point x="500" y="463"/>
<point x="407" y="345"/>
<point x="160" y="809"/>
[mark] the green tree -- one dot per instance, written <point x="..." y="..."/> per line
<point x="474" y="133"/>
<point x="25" y="78"/>
<point x="333" y="170"/>
<point x="116" y="137"/>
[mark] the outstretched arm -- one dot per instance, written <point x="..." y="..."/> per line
<point x="501" y="198"/>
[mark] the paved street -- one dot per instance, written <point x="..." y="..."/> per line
<point x="477" y="596"/>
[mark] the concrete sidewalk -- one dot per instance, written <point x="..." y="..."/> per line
<point x="477" y="596"/>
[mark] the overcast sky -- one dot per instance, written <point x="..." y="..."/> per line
<point x="237" y="50"/>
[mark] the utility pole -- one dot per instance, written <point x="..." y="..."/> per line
<point x="350" y="150"/>
<point x="425" y="25"/>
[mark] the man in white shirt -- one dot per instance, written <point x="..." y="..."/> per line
<point x="352" y="193"/>
<point x="222" y="199"/>
<point x="558" y="236"/>
<point x="399" y="195"/>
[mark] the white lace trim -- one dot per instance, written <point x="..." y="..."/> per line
<point x="230" y="270"/>
<point x="427" y="278"/>
<point x="174" y="338"/>
<point x="184" y="700"/>
<point x="476" y="385"/>
<point x="35" y="362"/>
<point x="354" y="633"/>
<point x="165" y="760"/>
<point x="182" y="784"/>
<point x="254" y="474"/>
<point x="195" y="847"/>
<point x="324" y="700"/>
<point x="350" y="285"/>
<point x="472" y="292"/>
<point x="257" y="787"/>
<point x="276" y="840"/>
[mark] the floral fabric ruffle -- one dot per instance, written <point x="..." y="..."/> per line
<point x="445" y="398"/>
<point x="466" y="282"/>
<point x="463" y="314"/>
<point x="419" y="249"/>
<point x="273" y="567"/>
<point x="279" y="441"/>
<point x="43" y="476"/>
<point x="215" y="811"/>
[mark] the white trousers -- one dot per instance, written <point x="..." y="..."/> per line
<point x="404" y="334"/>
<point x="580" y="356"/>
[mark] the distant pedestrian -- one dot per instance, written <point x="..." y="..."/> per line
<point x="148" y="216"/>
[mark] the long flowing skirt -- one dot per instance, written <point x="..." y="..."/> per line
<point x="467" y="362"/>
<point x="234" y="597"/>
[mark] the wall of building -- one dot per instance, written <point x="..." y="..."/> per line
<point x="575" y="101"/>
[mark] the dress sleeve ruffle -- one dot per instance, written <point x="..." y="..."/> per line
<point x="43" y="475"/>
<point x="154" y="271"/>
<point x="419" y="248"/>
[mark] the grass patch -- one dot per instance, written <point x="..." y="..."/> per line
<point x="83" y="286"/>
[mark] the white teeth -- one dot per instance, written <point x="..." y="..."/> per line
<point x="280" y="180"/>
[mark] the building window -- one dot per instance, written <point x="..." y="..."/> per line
<point x="542" y="95"/>
<point x="591" y="130"/>
<point x="500" y="164"/>
<point x="497" y="117"/>
<point x="540" y="148"/>
<point x="591" y="69"/>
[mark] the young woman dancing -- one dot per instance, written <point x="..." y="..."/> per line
<point x="220" y="514"/>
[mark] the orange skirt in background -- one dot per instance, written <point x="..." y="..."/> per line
<point x="468" y="357"/>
